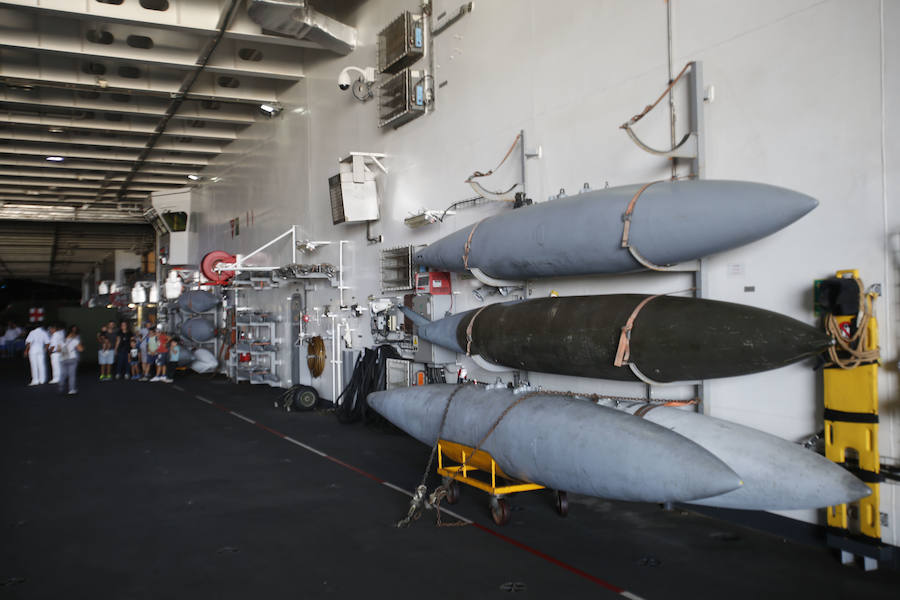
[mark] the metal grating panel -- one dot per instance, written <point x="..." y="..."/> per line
<point x="337" y="200"/>
<point x="401" y="98"/>
<point x="401" y="43"/>
<point x="397" y="269"/>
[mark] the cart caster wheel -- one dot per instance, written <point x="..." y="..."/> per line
<point x="562" y="503"/>
<point x="452" y="492"/>
<point x="500" y="511"/>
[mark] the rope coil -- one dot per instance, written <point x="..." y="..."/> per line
<point x="856" y="345"/>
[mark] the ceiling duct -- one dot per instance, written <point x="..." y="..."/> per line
<point x="296" y="19"/>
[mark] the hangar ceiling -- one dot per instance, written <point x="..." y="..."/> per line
<point x="104" y="101"/>
<point x="62" y="252"/>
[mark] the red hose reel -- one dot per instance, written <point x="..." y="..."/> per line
<point x="209" y="263"/>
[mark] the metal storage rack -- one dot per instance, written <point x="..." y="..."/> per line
<point x="256" y="338"/>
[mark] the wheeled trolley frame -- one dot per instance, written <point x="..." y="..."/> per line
<point x="469" y="461"/>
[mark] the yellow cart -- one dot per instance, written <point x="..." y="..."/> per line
<point x="468" y="461"/>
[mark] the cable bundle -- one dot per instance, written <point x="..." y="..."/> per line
<point x="368" y="376"/>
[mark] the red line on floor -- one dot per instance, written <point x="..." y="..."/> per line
<point x="270" y="430"/>
<point x="548" y="558"/>
<point x="602" y="583"/>
<point x="352" y="468"/>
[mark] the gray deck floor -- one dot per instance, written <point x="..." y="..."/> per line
<point x="137" y="490"/>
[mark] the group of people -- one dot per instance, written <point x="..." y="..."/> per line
<point x="133" y="355"/>
<point x="64" y="348"/>
<point x="145" y="355"/>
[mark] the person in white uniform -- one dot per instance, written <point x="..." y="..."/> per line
<point x="57" y="337"/>
<point x="36" y="351"/>
<point x="70" y="350"/>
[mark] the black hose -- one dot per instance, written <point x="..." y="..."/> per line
<point x="368" y="376"/>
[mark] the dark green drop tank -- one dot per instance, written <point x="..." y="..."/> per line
<point x="673" y="338"/>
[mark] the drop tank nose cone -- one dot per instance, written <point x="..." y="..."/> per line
<point x="848" y="489"/>
<point x="706" y="475"/>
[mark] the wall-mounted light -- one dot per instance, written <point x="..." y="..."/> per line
<point x="55" y="158"/>
<point x="270" y="110"/>
<point x="138" y="294"/>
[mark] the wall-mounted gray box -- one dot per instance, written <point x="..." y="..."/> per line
<point x="353" y="194"/>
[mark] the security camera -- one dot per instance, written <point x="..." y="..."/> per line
<point x="344" y="80"/>
<point x="366" y="76"/>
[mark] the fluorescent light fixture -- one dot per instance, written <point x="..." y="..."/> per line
<point x="193" y="177"/>
<point x="56" y="130"/>
<point x="216" y="179"/>
<point x="55" y="158"/>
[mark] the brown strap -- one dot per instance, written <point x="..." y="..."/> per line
<point x="469" y="328"/>
<point x="650" y="107"/>
<point x="644" y="410"/>
<point x="623" y="352"/>
<point x="626" y="217"/>
<point x="468" y="246"/>
<point x="477" y="174"/>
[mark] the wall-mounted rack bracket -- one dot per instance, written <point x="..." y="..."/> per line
<point x="239" y="264"/>
<point x="359" y="160"/>
<point x="691" y="146"/>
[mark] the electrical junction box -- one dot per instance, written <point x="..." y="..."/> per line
<point x="354" y="195"/>
<point x="397" y="373"/>
<point x="436" y="283"/>
<point x="433" y="307"/>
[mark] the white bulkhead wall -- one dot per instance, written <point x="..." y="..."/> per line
<point x="803" y="97"/>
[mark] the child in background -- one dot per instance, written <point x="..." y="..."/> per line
<point x="134" y="359"/>
<point x="174" y="355"/>
<point x="162" y="356"/>
<point x="106" y="357"/>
